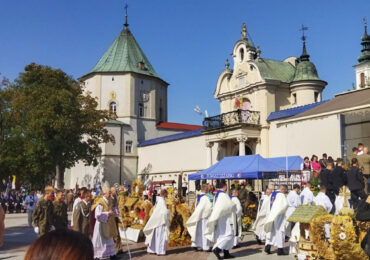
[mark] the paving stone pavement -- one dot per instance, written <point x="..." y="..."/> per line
<point x="18" y="236"/>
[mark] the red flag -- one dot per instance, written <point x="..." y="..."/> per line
<point x="237" y="102"/>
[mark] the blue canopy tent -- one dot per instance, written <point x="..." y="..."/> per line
<point x="294" y="162"/>
<point x="237" y="167"/>
<point x="287" y="164"/>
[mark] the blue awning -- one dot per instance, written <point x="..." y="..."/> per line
<point x="237" y="167"/>
<point x="294" y="162"/>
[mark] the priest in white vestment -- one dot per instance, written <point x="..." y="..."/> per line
<point x="219" y="227"/>
<point x="197" y="222"/>
<point x="105" y="226"/>
<point x="275" y="222"/>
<point x="294" y="200"/>
<point x="322" y="199"/>
<point x="157" y="229"/>
<point x="263" y="211"/>
<point x="237" y="218"/>
<point x="307" y="195"/>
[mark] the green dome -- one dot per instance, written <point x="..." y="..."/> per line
<point x="306" y="70"/>
<point x="365" y="42"/>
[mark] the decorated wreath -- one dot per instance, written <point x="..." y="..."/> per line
<point x="324" y="248"/>
<point x="137" y="188"/>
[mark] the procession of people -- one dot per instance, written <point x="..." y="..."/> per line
<point x="215" y="224"/>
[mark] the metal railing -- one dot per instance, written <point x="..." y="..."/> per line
<point x="232" y="118"/>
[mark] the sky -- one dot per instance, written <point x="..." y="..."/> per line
<point x="186" y="41"/>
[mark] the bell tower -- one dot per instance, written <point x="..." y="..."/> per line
<point x="362" y="69"/>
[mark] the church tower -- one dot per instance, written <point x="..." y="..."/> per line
<point x="306" y="87"/>
<point x="362" y="69"/>
<point x="124" y="82"/>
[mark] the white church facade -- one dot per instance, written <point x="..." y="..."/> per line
<point x="267" y="107"/>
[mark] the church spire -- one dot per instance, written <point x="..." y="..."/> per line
<point x="126" y="23"/>
<point x="365" y="42"/>
<point x="304" y="56"/>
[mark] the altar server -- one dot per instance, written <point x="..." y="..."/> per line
<point x="157" y="230"/>
<point x="237" y="218"/>
<point x="219" y="229"/>
<point x="307" y="195"/>
<point x="105" y="226"/>
<point x="322" y="200"/>
<point x="197" y="222"/>
<point x="275" y="223"/>
<point x="294" y="201"/>
<point x="263" y="211"/>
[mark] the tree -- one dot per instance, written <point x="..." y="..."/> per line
<point x="57" y="124"/>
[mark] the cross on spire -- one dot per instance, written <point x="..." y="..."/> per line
<point x="304" y="56"/>
<point x="126" y="7"/>
<point x="365" y="23"/>
<point x="303" y="28"/>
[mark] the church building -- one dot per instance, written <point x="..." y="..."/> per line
<point x="267" y="107"/>
<point x="125" y="83"/>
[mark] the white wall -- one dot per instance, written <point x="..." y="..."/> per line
<point x="307" y="137"/>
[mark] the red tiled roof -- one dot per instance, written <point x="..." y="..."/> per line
<point x="177" y="126"/>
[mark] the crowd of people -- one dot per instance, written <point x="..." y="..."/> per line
<point x="216" y="222"/>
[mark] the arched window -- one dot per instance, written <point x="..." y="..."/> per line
<point x="241" y="54"/>
<point x="113" y="107"/>
<point x="362" y="80"/>
<point x="141" y="110"/>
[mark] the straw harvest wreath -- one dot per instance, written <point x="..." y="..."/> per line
<point x="344" y="243"/>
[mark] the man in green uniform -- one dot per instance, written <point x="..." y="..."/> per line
<point x="243" y="195"/>
<point x="364" y="164"/>
<point x="60" y="211"/>
<point x="82" y="215"/>
<point x="43" y="213"/>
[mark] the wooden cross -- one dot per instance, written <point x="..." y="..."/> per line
<point x="345" y="194"/>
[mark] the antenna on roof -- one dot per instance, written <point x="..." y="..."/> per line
<point x="126" y="7"/>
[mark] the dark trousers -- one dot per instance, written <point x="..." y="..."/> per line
<point x="366" y="178"/>
<point x="356" y="195"/>
<point x="331" y="195"/>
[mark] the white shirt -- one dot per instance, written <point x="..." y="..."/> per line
<point x="322" y="200"/>
<point x="31" y="199"/>
<point x="306" y="196"/>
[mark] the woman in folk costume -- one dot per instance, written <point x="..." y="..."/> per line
<point x="263" y="211"/>
<point x="197" y="222"/>
<point x="157" y="229"/>
<point x="275" y="222"/>
<point x="105" y="226"/>
<point x="219" y="228"/>
<point x="237" y="218"/>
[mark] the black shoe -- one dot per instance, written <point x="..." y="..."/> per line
<point x="195" y="248"/>
<point x="209" y="250"/>
<point x="217" y="252"/>
<point x="113" y="257"/>
<point x="281" y="251"/>
<point x="227" y="255"/>
<point x="120" y="252"/>
<point x="237" y="246"/>
<point x="268" y="249"/>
